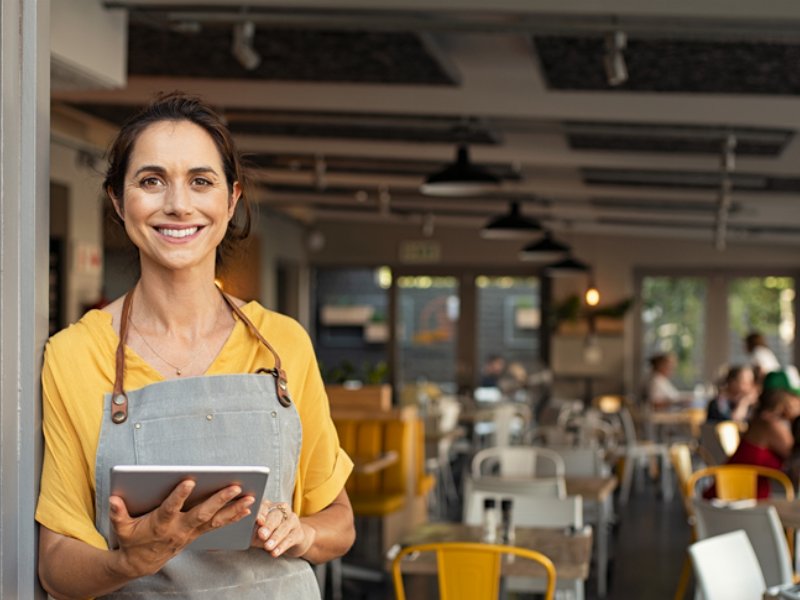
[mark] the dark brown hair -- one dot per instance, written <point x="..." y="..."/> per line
<point x="177" y="106"/>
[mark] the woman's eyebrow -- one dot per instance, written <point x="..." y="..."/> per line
<point x="161" y="170"/>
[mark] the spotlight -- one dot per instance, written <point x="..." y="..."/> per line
<point x="592" y="295"/>
<point x="614" y="60"/>
<point x="242" y="48"/>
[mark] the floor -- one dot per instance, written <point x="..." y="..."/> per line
<point x="648" y="547"/>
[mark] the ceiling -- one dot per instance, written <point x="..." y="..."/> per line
<point x="354" y="103"/>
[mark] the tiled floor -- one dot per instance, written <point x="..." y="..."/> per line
<point x="648" y="547"/>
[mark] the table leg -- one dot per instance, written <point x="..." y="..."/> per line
<point x="602" y="546"/>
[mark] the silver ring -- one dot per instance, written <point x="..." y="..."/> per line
<point x="284" y="510"/>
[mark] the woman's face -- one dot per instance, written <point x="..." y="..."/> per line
<point x="176" y="203"/>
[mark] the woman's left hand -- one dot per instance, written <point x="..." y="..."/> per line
<point x="280" y="532"/>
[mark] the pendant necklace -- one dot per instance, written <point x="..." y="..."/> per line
<point x="178" y="370"/>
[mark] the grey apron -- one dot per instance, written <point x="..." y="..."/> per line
<point x="243" y="419"/>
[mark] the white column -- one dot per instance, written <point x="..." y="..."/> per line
<point x="24" y="251"/>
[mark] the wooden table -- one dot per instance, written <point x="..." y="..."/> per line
<point x="598" y="490"/>
<point x="570" y="553"/>
<point x="692" y="418"/>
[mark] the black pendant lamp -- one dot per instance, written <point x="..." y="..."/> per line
<point x="567" y="267"/>
<point x="460" y="178"/>
<point x="511" y="225"/>
<point x="544" y="250"/>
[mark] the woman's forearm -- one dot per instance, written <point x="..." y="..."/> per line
<point x="69" y="568"/>
<point x="333" y="530"/>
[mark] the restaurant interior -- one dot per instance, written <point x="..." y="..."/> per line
<point x="490" y="218"/>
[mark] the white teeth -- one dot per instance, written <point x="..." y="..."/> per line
<point x="178" y="233"/>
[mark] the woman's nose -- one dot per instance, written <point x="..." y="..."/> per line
<point x="178" y="200"/>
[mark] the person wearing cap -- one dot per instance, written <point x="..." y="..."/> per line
<point x="768" y="441"/>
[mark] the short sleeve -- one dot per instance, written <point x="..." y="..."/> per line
<point x="66" y="498"/>
<point x="323" y="467"/>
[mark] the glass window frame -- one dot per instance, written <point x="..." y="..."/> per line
<point x="716" y="335"/>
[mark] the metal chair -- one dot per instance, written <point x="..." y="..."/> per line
<point x="763" y="528"/>
<point x="728" y="435"/>
<point x="470" y="571"/>
<point x="738" y="482"/>
<point x="522" y="461"/>
<point x="726" y="567"/>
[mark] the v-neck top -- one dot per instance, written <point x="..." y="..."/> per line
<point x="79" y="369"/>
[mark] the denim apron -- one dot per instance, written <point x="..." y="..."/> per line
<point x="242" y="419"/>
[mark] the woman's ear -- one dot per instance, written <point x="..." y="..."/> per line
<point x="117" y="204"/>
<point x="236" y="193"/>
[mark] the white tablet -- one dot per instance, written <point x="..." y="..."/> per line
<point x="145" y="487"/>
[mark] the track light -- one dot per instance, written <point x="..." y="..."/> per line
<point x="614" y="59"/>
<point x="242" y="48"/>
<point x="510" y="225"/>
<point x="459" y="178"/>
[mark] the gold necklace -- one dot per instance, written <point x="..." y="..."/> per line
<point x="178" y="370"/>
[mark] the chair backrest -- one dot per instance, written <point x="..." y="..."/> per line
<point x="470" y="571"/>
<point x="680" y="456"/>
<point x="738" y="482"/>
<point x="582" y="462"/>
<point x="531" y="508"/>
<point x="728" y="435"/>
<point x="726" y="567"/>
<point x="763" y="528"/>
<point x="710" y="441"/>
<point x="518" y="461"/>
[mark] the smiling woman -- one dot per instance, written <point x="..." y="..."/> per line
<point x="177" y="372"/>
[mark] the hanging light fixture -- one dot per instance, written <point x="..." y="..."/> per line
<point x="592" y="294"/>
<point x="566" y="268"/>
<point x="460" y="178"/>
<point x="544" y="250"/>
<point x="510" y="225"/>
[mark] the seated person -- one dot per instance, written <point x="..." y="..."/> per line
<point x="736" y="397"/>
<point x="768" y="440"/>
<point x="493" y="370"/>
<point x="659" y="391"/>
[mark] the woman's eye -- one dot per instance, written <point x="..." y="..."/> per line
<point x="149" y="182"/>
<point x="201" y="181"/>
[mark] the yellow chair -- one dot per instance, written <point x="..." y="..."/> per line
<point x="470" y="571"/>
<point x="738" y="482"/>
<point x="728" y="434"/>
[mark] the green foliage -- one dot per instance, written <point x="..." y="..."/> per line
<point x="673" y="315"/>
<point x="572" y="309"/>
<point x="347" y="371"/>
<point x="754" y="304"/>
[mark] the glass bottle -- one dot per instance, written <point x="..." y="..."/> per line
<point x="489" y="521"/>
<point x="507" y="523"/>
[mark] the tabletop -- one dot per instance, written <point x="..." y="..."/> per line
<point x="570" y="552"/>
<point x="591" y="488"/>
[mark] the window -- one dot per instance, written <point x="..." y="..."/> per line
<point x="703" y="317"/>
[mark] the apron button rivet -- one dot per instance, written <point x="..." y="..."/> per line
<point x="209" y="417"/>
<point x="138" y="426"/>
<point x="119" y="400"/>
<point x="274" y="413"/>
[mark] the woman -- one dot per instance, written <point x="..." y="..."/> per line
<point x="659" y="391"/>
<point x="176" y="372"/>
<point x="768" y="440"/>
<point x="736" y="397"/>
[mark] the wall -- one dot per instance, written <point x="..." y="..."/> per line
<point x="282" y="241"/>
<point x="84" y="227"/>
<point x="615" y="260"/>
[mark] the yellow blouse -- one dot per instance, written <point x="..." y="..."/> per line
<point x="79" y="369"/>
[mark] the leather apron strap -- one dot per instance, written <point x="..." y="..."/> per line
<point x="119" y="399"/>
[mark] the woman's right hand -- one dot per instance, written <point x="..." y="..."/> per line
<point x="147" y="542"/>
